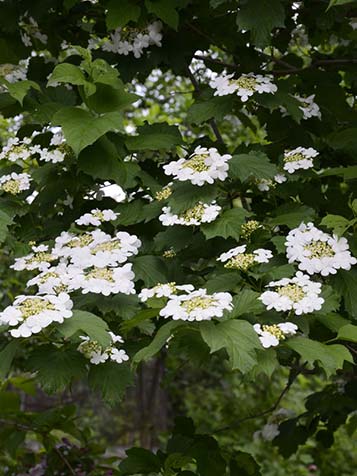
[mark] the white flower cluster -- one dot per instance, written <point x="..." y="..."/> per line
<point x="299" y="158"/>
<point x="245" y="86"/>
<point x="30" y="314"/>
<point x="197" y="305"/>
<point x="298" y="294"/>
<point x="318" y="252"/>
<point x="30" y="30"/>
<point x="15" y="183"/>
<point x="14" y="72"/>
<point x="309" y="107"/>
<point x="23" y="149"/>
<point x="164" y="290"/>
<point x="131" y="40"/>
<point x="96" y="217"/>
<point x="237" y="258"/>
<point x="203" y="166"/>
<point x="264" y="185"/>
<point x="200" y="213"/>
<point x="271" y="335"/>
<point x="93" y="351"/>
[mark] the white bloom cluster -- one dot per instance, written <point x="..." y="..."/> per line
<point x="200" y="213"/>
<point x="17" y="149"/>
<point x="237" y="258"/>
<point x="40" y="258"/>
<point x="245" y="86"/>
<point x="15" y="183"/>
<point x="131" y="40"/>
<point x="203" y="166"/>
<point x="309" y="107"/>
<point x="299" y="158"/>
<point x="164" y="290"/>
<point x="271" y="335"/>
<point x="197" y="306"/>
<point x="93" y="351"/>
<point x="317" y="251"/>
<point x="96" y="217"/>
<point x="298" y="294"/>
<point x="30" y="30"/>
<point x="264" y="185"/>
<point x="14" y="72"/>
<point x="30" y="314"/>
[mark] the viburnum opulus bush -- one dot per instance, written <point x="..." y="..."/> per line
<point x="169" y="169"/>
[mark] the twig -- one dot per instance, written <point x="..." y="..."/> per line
<point x="65" y="460"/>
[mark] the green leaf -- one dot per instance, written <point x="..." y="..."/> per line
<point x="246" y="302"/>
<point x="330" y="357"/>
<point x="348" y="332"/>
<point x="345" y="283"/>
<point x="56" y="368"/>
<point x="216" y="108"/>
<point x="5" y="222"/>
<point x="107" y="99"/>
<point x="19" y="89"/>
<point x="82" y="129"/>
<point x="157" y="343"/>
<point x="260" y="17"/>
<point x="292" y="215"/>
<point x="139" y="460"/>
<point x="71" y="74"/>
<point x="111" y="380"/>
<point x="150" y="269"/>
<point x="338" y="223"/>
<point x="237" y="337"/>
<point x="90" y="324"/>
<point x="345" y="140"/>
<point x="253" y="165"/>
<point x="156" y="136"/>
<point x="135" y="321"/>
<point x="223" y="282"/>
<point x="267" y="362"/>
<point x="7" y="355"/>
<point x="186" y="195"/>
<point x="227" y="225"/>
<point x="243" y="464"/>
<point x="337" y="3"/>
<point x="120" y="13"/>
<point x="348" y="173"/>
<point x="164" y="10"/>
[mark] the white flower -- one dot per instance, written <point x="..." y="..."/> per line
<point x="118" y="355"/>
<point x="200" y="213"/>
<point x="104" y="281"/>
<point x="16" y="150"/>
<point x="40" y="258"/>
<point x="93" y="351"/>
<point x="163" y="290"/>
<point x="318" y="252"/>
<point x="237" y="258"/>
<point x="270" y="335"/>
<point x="299" y="158"/>
<point x="15" y="183"/>
<point x="245" y="86"/>
<point x="265" y="184"/>
<point x="33" y="313"/>
<point x="54" y="279"/>
<point x="96" y="217"/>
<point x="203" y="166"/>
<point x="197" y="306"/>
<point x="299" y="294"/>
<point x="309" y="107"/>
<point x="54" y="155"/>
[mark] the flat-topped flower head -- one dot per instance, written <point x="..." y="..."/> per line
<point x="41" y="258"/>
<point x="111" y="252"/>
<point x="200" y="213"/>
<point x="299" y="158"/>
<point x="104" y="280"/>
<point x="244" y="86"/>
<point x="203" y="166"/>
<point x="298" y="294"/>
<point x="317" y="251"/>
<point x="237" y="258"/>
<point x="15" y="183"/>
<point x="95" y="353"/>
<point x="164" y="193"/>
<point x="16" y="149"/>
<point x="164" y="290"/>
<point x="197" y="306"/>
<point x="96" y="217"/>
<point x="55" y="279"/>
<point x="30" y="314"/>
<point x="271" y="335"/>
<point x="248" y="228"/>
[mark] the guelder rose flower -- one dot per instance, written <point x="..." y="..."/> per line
<point x="31" y="314"/>
<point x="40" y="258"/>
<point x="164" y="290"/>
<point x="197" y="306"/>
<point x="15" y="183"/>
<point x="264" y="185"/>
<point x="96" y="217"/>
<point x="245" y="86"/>
<point x="318" y="252"/>
<point x="309" y="107"/>
<point x="298" y="294"/>
<point x="237" y="258"/>
<point x="200" y="213"/>
<point x="203" y="166"/>
<point x="54" y="279"/>
<point x="271" y="335"/>
<point x="299" y="158"/>
<point x="93" y="351"/>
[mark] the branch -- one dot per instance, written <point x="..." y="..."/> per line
<point x="65" y="460"/>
